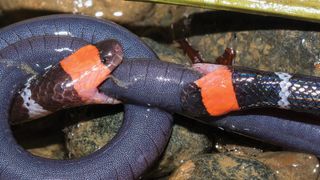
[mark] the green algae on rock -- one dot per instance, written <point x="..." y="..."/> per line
<point x="187" y="140"/>
<point x="86" y="137"/>
<point x="222" y="166"/>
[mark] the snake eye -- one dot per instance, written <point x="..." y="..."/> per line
<point x="110" y="52"/>
<point x="107" y="57"/>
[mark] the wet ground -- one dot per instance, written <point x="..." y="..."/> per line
<point x="195" y="151"/>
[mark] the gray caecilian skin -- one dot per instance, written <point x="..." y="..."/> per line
<point x="41" y="42"/>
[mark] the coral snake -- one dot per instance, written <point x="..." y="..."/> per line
<point x="144" y="84"/>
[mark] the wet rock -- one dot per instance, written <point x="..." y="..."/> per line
<point x="165" y="15"/>
<point x="222" y="166"/>
<point x="185" y="142"/>
<point x="168" y="52"/>
<point x="52" y="151"/>
<point x="239" y="148"/>
<point x="188" y="139"/>
<point x="88" y="136"/>
<point x="124" y="12"/>
<point x="269" y="165"/>
<point x="240" y="145"/>
<point x="291" y="165"/>
<point x="272" y="50"/>
<point x="120" y="11"/>
<point x="278" y="49"/>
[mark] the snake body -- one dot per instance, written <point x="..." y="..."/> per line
<point x="41" y="42"/>
<point x="224" y="89"/>
<point x="71" y="82"/>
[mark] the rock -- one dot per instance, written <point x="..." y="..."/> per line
<point x="293" y="51"/>
<point x="124" y="12"/>
<point x="291" y="165"/>
<point x="52" y="151"/>
<point x="185" y="142"/>
<point x="169" y="53"/>
<point x="88" y="136"/>
<point x="119" y="11"/>
<point x="222" y="166"/>
<point x="240" y="145"/>
<point x="268" y="165"/>
<point x="188" y="139"/>
<point x="239" y="149"/>
<point x="165" y="15"/>
<point x="270" y="50"/>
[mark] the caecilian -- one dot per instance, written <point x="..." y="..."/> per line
<point x="72" y="82"/>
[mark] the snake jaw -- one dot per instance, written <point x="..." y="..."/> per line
<point x="111" y="53"/>
<point x="100" y="98"/>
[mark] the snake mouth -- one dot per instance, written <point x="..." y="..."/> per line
<point x="111" y="53"/>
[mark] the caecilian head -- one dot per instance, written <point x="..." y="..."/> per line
<point x="111" y="53"/>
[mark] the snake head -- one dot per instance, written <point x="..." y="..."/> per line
<point x="111" y="53"/>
